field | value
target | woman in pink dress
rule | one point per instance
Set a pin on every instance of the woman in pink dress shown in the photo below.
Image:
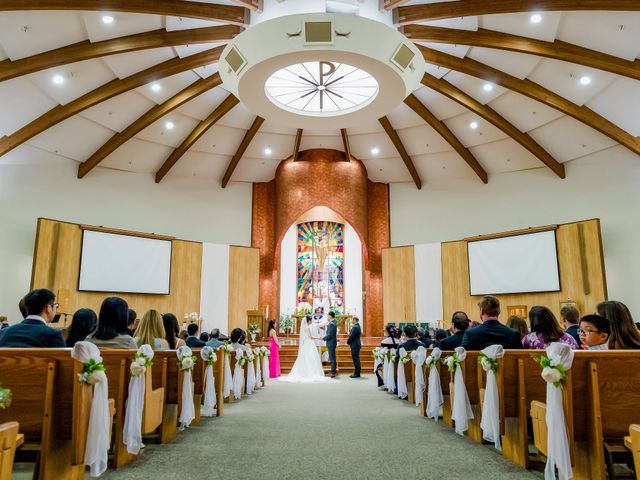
(274, 349)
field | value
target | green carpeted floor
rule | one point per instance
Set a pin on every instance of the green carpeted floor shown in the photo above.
(348, 430)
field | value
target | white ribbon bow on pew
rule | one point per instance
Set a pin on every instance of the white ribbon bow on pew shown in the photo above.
(418, 356)
(256, 352)
(238, 375)
(385, 365)
(251, 375)
(434, 393)
(490, 421)
(391, 375)
(265, 365)
(98, 434)
(188, 410)
(132, 434)
(209, 403)
(403, 391)
(558, 454)
(461, 411)
(228, 377)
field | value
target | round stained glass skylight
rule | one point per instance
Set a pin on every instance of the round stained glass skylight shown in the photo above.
(317, 88)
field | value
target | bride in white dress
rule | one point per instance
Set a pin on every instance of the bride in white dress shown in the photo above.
(308, 367)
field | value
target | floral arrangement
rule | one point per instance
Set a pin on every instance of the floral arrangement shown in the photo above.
(392, 355)
(286, 323)
(304, 308)
(406, 357)
(5, 398)
(88, 375)
(452, 362)
(552, 372)
(212, 358)
(265, 351)
(253, 328)
(251, 356)
(487, 363)
(227, 348)
(187, 362)
(430, 361)
(377, 354)
(240, 357)
(140, 364)
(384, 353)
(261, 351)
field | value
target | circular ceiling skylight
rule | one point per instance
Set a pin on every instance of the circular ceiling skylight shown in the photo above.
(320, 87)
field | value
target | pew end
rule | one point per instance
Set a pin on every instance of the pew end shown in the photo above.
(9, 440)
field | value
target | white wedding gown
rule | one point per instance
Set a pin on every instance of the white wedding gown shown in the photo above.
(307, 367)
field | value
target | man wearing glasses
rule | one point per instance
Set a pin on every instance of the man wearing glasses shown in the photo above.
(33, 331)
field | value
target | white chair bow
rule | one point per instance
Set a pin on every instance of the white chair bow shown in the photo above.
(188, 411)
(238, 375)
(461, 411)
(490, 421)
(391, 374)
(256, 352)
(377, 361)
(558, 454)
(209, 403)
(403, 391)
(434, 393)
(385, 364)
(251, 375)
(132, 434)
(228, 377)
(98, 434)
(418, 356)
(265, 367)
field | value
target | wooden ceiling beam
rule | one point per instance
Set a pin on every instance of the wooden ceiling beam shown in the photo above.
(345, 144)
(391, 4)
(86, 50)
(255, 5)
(496, 119)
(296, 145)
(417, 106)
(175, 8)
(105, 92)
(535, 91)
(202, 128)
(469, 8)
(255, 126)
(158, 111)
(557, 50)
(395, 139)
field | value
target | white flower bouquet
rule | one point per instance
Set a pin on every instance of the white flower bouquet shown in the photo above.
(227, 348)
(265, 351)
(487, 363)
(209, 355)
(187, 362)
(240, 358)
(89, 374)
(139, 364)
(552, 372)
(405, 357)
(452, 362)
(377, 355)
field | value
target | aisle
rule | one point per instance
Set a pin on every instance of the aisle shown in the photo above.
(338, 431)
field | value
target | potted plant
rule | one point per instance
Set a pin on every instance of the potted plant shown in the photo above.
(253, 330)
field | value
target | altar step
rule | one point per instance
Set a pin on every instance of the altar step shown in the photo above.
(344, 363)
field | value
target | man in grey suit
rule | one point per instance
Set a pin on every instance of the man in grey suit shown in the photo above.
(355, 344)
(332, 341)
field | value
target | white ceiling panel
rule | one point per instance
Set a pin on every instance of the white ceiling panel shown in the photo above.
(403, 117)
(422, 139)
(386, 170)
(620, 103)
(123, 24)
(436, 70)
(220, 140)
(21, 103)
(325, 141)
(188, 50)
(456, 50)
(563, 78)
(207, 70)
(520, 24)
(27, 154)
(513, 63)
(3, 55)
(238, 117)
(505, 156)
(270, 126)
(202, 106)
(169, 86)
(524, 112)
(441, 166)
(203, 165)
(119, 112)
(125, 64)
(76, 138)
(485, 132)
(474, 86)
(442, 107)
(361, 146)
(79, 78)
(26, 33)
(566, 139)
(462, 23)
(138, 156)
(158, 132)
(281, 146)
(180, 23)
(617, 33)
(371, 126)
(255, 170)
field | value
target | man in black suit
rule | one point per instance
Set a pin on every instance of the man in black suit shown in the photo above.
(412, 343)
(332, 342)
(460, 323)
(570, 318)
(33, 331)
(355, 344)
(491, 332)
(192, 340)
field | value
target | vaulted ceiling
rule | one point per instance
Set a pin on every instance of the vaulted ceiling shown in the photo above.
(504, 90)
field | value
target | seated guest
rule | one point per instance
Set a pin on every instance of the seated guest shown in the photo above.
(192, 340)
(33, 331)
(412, 342)
(22, 306)
(150, 331)
(570, 318)
(214, 339)
(83, 323)
(423, 337)
(131, 323)
(390, 342)
(238, 338)
(459, 324)
(204, 336)
(440, 335)
(172, 331)
(4, 322)
(183, 335)
(518, 323)
(624, 333)
(594, 332)
(491, 331)
(112, 325)
(545, 330)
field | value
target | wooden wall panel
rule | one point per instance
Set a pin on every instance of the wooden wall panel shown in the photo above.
(57, 267)
(398, 285)
(580, 267)
(244, 282)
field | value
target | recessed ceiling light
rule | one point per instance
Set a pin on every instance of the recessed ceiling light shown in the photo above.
(107, 19)
(487, 87)
(169, 125)
(585, 80)
(268, 151)
(156, 87)
(375, 151)
(535, 18)
(58, 79)
(473, 125)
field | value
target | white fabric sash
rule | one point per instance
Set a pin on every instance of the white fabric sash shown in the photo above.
(188, 411)
(228, 378)
(461, 411)
(209, 403)
(403, 391)
(377, 361)
(434, 393)
(558, 454)
(490, 421)
(391, 376)
(251, 377)
(256, 352)
(385, 365)
(418, 356)
(238, 376)
(98, 434)
(265, 368)
(132, 434)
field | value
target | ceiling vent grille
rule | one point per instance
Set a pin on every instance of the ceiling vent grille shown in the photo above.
(403, 57)
(235, 60)
(318, 33)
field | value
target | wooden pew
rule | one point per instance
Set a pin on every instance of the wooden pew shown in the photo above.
(167, 377)
(218, 377)
(447, 390)
(8, 443)
(633, 443)
(232, 363)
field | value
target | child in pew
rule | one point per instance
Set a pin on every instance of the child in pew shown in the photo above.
(594, 332)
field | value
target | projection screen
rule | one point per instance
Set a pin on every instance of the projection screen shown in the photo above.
(516, 264)
(125, 264)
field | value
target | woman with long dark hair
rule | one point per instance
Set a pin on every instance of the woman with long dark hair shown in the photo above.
(624, 333)
(545, 330)
(112, 325)
(274, 349)
(84, 322)
(172, 331)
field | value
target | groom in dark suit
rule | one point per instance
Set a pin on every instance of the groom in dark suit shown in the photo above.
(355, 344)
(332, 341)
